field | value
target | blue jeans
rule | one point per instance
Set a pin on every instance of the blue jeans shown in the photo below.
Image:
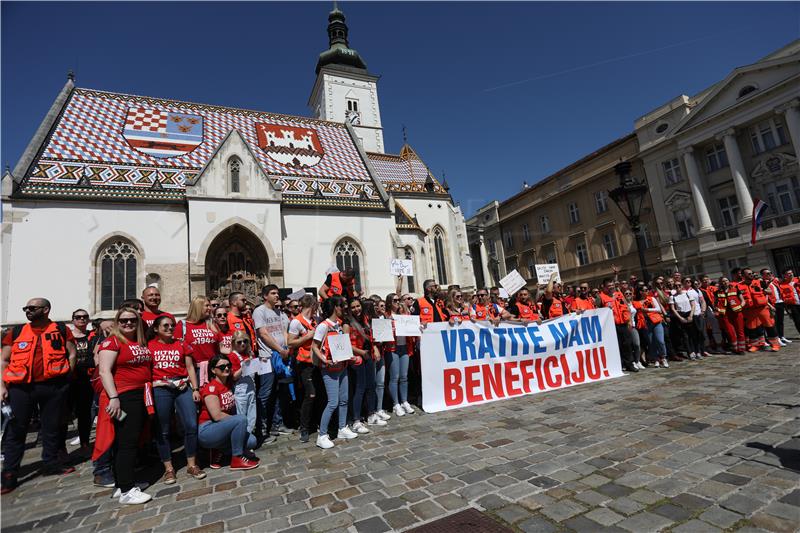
(263, 395)
(230, 433)
(380, 382)
(337, 388)
(168, 400)
(398, 374)
(658, 350)
(245, 394)
(365, 384)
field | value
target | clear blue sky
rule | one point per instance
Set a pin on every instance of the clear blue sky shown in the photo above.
(491, 93)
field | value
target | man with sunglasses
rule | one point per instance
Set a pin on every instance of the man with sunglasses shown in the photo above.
(430, 308)
(36, 361)
(583, 301)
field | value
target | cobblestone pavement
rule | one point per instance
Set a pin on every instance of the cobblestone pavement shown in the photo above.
(702, 446)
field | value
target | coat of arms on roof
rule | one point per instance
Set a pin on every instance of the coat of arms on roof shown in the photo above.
(290, 145)
(162, 133)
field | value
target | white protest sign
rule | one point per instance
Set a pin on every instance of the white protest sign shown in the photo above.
(473, 364)
(503, 293)
(250, 367)
(382, 330)
(512, 282)
(341, 349)
(406, 325)
(296, 295)
(262, 366)
(401, 267)
(544, 271)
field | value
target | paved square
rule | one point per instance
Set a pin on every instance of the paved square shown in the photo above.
(702, 446)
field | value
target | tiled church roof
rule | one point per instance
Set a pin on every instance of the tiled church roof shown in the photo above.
(405, 173)
(116, 145)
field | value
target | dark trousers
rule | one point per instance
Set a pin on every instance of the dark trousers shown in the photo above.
(794, 313)
(126, 437)
(265, 403)
(49, 396)
(82, 399)
(779, 309)
(625, 346)
(308, 381)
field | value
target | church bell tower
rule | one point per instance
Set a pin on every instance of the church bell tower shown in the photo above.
(344, 89)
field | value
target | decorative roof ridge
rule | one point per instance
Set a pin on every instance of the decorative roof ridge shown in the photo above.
(86, 90)
(378, 155)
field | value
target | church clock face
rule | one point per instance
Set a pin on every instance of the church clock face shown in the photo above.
(354, 117)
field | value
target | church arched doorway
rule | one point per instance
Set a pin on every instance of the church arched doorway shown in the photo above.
(236, 262)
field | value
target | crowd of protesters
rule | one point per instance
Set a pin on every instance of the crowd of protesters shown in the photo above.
(231, 378)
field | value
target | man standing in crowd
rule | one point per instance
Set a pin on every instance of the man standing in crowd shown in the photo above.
(494, 296)
(152, 300)
(771, 286)
(758, 315)
(622, 321)
(583, 301)
(429, 308)
(237, 321)
(790, 292)
(271, 327)
(339, 284)
(36, 361)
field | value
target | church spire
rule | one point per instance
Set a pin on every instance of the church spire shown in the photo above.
(339, 52)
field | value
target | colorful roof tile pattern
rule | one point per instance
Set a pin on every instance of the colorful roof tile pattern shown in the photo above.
(404, 173)
(110, 142)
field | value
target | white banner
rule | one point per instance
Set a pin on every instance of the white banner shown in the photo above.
(474, 363)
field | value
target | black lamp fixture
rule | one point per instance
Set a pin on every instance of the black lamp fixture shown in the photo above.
(629, 197)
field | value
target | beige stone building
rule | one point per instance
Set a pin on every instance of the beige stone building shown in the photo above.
(568, 218)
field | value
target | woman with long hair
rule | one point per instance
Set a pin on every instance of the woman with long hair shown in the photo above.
(334, 374)
(657, 349)
(221, 427)
(396, 357)
(454, 304)
(300, 337)
(638, 325)
(202, 334)
(125, 370)
(244, 390)
(359, 319)
(175, 390)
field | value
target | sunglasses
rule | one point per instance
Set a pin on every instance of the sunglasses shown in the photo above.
(483, 295)
(80, 317)
(457, 296)
(167, 326)
(128, 320)
(31, 308)
(223, 367)
(214, 305)
(242, 342)
(221, 315)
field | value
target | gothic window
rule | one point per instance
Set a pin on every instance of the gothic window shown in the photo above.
(410, 279)
(438, 248)
(118, 263)
(348, 255)
(233, 170)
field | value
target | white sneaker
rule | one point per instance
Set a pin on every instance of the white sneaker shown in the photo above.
(347, 433)
(407, 408)
(787, 341)
(383, 415)
(664, 363)
(134, 497)
(141, 485)
(656, 365)
(781, 343)
(375, 420)
(75, 441)
(324, 442)
(360, 428)
(399, 411)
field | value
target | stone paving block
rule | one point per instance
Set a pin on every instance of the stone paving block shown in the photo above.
(536, 525)
(625, 505)
(451, 501)
(645, 496)
(614, 490)
(306, 516)
(692, 502)
(783, 510)
(773, 523)
(427, 510)
(644, 522)
(793, 498)
(731, 479)
(595, 480)
(696, 526)
(603, 516)
(673, 512)
(513, 513)
(562, 510)
(332, 522)
(592, 497)
(372, 525)
(400, 518)
(492, 501)
(720, 517)
(741, 504)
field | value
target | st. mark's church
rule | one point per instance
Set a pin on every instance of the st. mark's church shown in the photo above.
(116, 192)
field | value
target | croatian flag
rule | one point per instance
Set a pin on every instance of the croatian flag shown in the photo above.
(759, 208)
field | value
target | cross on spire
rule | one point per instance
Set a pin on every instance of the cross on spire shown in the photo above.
(405, 135)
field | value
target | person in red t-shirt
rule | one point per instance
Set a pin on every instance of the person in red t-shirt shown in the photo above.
(38, 378)
(220, 426)
(225, 331)
(125, 369)
(174, 389)
(201, 333)
(152, 299)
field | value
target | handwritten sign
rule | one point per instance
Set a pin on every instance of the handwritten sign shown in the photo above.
(262, 366)
(382, 330)
(406, 325)
(512, 282)
(543, 272)
(250, 367)
(503, 293)
(341, 349)
(401, 267)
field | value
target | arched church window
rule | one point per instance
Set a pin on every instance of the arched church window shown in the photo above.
(118, 263)
(438, 249)
(233, 169)
(348, 255)
(410, 279)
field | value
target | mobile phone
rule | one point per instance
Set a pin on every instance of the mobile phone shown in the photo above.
(122, 415)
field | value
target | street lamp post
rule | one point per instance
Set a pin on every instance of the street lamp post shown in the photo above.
(629, 197)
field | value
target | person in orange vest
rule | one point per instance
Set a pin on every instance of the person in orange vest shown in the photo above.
(37, 359)
(758, 316)
(486, 310)
(430, 308)
(709, 291)
(790, 293)
(523, 308)
(300, 337)
(729, 304)
(583, 301)
(615, 301)
(552, 304)
(339, 284)
(773, 290)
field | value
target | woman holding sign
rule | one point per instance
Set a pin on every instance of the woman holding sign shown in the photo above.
(397, 359)
(363, 345)
(243, 372)
(330, 350)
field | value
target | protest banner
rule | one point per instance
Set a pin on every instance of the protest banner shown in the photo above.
(382, 330)
(406, 325)
(544, 271)
(512, 282)
(471, 364)
(401, 267)
(341, 348)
